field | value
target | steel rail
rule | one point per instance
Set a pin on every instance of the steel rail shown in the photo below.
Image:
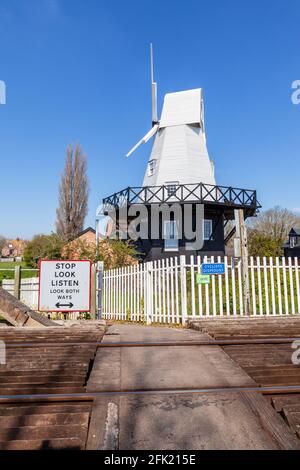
(90, 396)
(135, 344)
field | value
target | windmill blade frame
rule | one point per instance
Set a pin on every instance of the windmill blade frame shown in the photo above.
(145, 139)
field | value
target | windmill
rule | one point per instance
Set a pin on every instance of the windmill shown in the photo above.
(179, 154)
(180, 171)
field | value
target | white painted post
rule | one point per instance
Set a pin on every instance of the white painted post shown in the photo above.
(297, 284)
(93, 291)
(213, 288)
(206, 289)
(278, 286)
(177, 289)
(172, 290)
(259, 286)
(227, 286)
(120, 292)
(100, 291)
(168, 291)
(220, 290)
(149, 292)
(272, 287)
(131, 293)
(184, 314)
(159, 290)
(253, 286)
(265, 267)
(233, 289)
(285, 291)
(163, 267)
(291, 285)
(155, 294)
(240, 287)
(138, 293)
(193, 286)
(199, 287)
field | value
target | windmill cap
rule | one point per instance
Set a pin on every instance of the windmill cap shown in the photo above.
(182, 107)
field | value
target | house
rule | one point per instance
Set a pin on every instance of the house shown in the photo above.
(86, 238)
(292, 247)
(14, 248)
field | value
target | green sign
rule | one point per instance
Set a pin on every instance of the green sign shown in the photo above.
(203, 279)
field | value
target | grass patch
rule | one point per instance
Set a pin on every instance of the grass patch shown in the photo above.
(6, 273)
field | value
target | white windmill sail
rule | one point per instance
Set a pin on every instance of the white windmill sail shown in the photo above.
(179, 154)
(145, 139)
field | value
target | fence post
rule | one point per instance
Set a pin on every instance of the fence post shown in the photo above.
(17, 282)
(93, 292)
(100, 273)
(149, 292)
(241, 249)
(183, 289)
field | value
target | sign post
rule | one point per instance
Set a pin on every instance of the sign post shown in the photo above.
(241, 250)
(64, 286)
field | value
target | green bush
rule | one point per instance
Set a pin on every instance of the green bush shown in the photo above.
(42, 247)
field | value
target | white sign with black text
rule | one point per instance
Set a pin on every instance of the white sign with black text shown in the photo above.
(64, 286)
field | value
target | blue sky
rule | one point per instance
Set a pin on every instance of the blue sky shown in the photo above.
(78, 71)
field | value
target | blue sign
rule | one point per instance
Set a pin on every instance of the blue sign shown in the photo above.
(213, 268)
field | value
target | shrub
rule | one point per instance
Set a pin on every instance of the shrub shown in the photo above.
(42, 247)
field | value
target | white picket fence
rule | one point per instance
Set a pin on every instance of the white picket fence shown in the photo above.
(28, 290)
(166, 291)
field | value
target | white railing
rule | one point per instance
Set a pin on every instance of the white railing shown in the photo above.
(166, 291)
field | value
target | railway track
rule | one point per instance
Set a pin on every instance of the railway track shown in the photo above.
(43, 399)
(269, 365)
(49, 365)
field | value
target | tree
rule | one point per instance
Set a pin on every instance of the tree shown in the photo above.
(117, 253)
(42, 247)
(276, 222)
(114, 253)
(260, 244)
(73, 195)
(268, 232)
(2, 243)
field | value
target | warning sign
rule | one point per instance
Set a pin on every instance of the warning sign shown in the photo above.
(64, 286)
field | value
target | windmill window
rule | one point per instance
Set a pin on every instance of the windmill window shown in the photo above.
(171, 235)
(151, 167)
(172, 187)
(207, 229)
(293, 241)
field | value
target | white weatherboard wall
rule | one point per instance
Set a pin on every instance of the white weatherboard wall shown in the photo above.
(179, 148)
